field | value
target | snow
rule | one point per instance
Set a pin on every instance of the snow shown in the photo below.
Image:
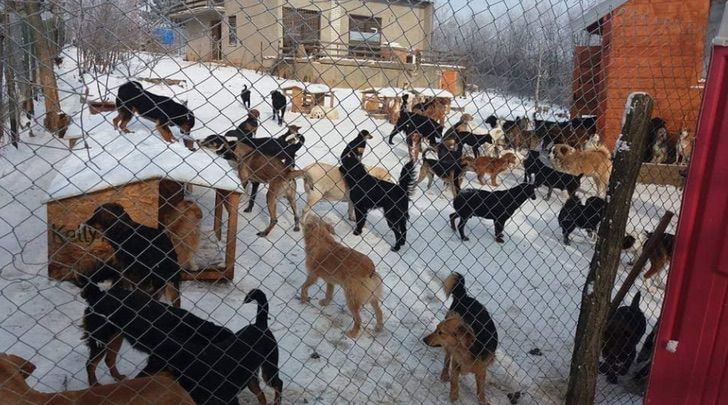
(531, 285)
(121, 159)
(430, 92)
(313, 88)
(385, 91)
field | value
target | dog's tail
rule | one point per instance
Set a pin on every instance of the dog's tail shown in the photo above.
(261, 319)
(454, 285)
(636, 301)
(371, 288)
(407, 177)
(294, 174)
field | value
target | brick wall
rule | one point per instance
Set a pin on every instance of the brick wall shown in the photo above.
(654, 46)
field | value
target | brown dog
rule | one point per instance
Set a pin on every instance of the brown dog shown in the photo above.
(159, 389)
(456, 337)
(340, 265)
(491, 166)
(182, 222)
(595, 163)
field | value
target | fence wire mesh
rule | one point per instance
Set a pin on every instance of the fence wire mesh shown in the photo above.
(131, 131)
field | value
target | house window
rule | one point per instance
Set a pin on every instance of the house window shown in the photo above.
(365, 36)
(233, 30)
(301, 27)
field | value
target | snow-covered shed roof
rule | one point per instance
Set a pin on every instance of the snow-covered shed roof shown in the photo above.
(595, 13)
(430, 92)
(385, 91)
(118, 160)
(313, 88)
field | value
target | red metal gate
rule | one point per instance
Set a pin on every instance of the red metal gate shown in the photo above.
(691, 355)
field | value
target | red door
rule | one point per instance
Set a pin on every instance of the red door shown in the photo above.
(691, 355)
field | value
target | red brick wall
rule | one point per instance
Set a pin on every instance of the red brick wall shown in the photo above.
(655, 46)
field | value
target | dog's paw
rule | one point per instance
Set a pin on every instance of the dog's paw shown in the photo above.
(296, 228)
(357, 232)
(262, 234)
(247, 210)
(444, 376)
(454, 396)
(352, 334)
(499, 239)
(324, 302)
(395, 248)
(465, 239)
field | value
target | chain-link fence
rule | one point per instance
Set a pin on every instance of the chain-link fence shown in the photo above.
(132, 131)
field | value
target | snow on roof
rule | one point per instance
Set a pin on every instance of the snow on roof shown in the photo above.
(385, 91)
(595, 13)
(313, 88)
(430, 92)
(117, 160)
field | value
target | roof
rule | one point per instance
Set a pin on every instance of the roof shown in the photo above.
(118, 160)
(595, 13)
(385, 91)
(313, 88)
(430, 92)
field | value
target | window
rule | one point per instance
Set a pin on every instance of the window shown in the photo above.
(301, 27)
(365, 36)
(233, 30)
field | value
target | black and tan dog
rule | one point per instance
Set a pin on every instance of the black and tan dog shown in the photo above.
(357, 146)
(163, 111)
(145, 255)
(450, 167)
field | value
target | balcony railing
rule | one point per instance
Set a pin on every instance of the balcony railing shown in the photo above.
(340, 50)
(191, 6)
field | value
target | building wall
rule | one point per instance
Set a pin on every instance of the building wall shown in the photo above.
(259, 25)
(655, 46)
(199, 42)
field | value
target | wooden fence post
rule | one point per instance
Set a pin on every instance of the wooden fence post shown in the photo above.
(597, 292)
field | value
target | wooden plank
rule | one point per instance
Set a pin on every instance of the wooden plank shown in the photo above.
(217, 224)
(209, 274)
(232, 200)
(661, 174)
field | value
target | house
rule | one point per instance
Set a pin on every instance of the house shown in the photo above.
(655, 46)
(142, 173)
(352, 43)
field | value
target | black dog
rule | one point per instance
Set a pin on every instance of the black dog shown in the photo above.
(496, 205)
(145, 255)
(410, 122)
(645, 356)
(546, 176)
(279, 106)
(367, 193)
(245, 96)
(586, 216)
(474, 314)
(448, 166)
(622, 333)
(165, 112)
(214, 372)
(474, 141)
(285, 147)
(357, 146)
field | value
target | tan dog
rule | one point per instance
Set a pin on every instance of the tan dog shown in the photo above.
(594, 163)
(159, 389)
(491, 166)
(456, 337)
(341, 265)
(323, 181)
(684, 147)
(182, 222)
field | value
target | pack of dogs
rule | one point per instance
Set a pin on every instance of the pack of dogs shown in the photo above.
(194, 360)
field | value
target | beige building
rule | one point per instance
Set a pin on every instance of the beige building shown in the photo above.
(371, 42)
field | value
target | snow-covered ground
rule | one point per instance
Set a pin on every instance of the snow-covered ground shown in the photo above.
(531, 284)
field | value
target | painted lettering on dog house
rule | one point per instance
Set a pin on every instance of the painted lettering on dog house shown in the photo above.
(654, 46)
(143, 176)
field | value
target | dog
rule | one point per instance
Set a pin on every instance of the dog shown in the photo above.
(622, 333)
(474, 314)
(496, 205)
(341, 265)
(323, 181)
(546, 176)
(245, 96)
(684, 147)
(451, 171)
(586, 216)
(357, 146)
(660, 256)
(645, 356)
(368, 193)
(594, 163)
(660, 147)
(283, 147)
(657, 126)
(485, 165)
(159, 389)
(131, 98)
(456, 337)
(212, 372)
(279, 101)
(182, 222)
(222, 146)
(146, 255)
(246, 129)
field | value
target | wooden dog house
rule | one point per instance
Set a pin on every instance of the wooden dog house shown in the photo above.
(142, 177)
(383, 102)
(306, 96)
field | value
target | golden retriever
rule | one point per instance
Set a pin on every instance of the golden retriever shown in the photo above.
(595, 163)
(455, 336)
(182, 222)
(491, 166)
(340, 265)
